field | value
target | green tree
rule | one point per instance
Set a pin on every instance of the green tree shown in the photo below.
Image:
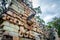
(55, 23)
(39, 19)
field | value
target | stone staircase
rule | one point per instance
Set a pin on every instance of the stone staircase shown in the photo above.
(1, 33)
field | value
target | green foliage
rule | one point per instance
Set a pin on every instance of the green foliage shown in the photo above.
(39, 19)
(55, 23)
(38, 9)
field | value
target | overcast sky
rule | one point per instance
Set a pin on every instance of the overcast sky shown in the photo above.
(49, 8)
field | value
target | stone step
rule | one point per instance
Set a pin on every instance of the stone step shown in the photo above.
(0, 38)
(1, 29)
(1, 32)
(0, 35)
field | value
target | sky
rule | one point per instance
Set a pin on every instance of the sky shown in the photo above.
(49, 8)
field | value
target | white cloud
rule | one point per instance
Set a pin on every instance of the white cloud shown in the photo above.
(49, 17)
(35, 3)
(53, 5)
(46, 9)
(49, 7)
